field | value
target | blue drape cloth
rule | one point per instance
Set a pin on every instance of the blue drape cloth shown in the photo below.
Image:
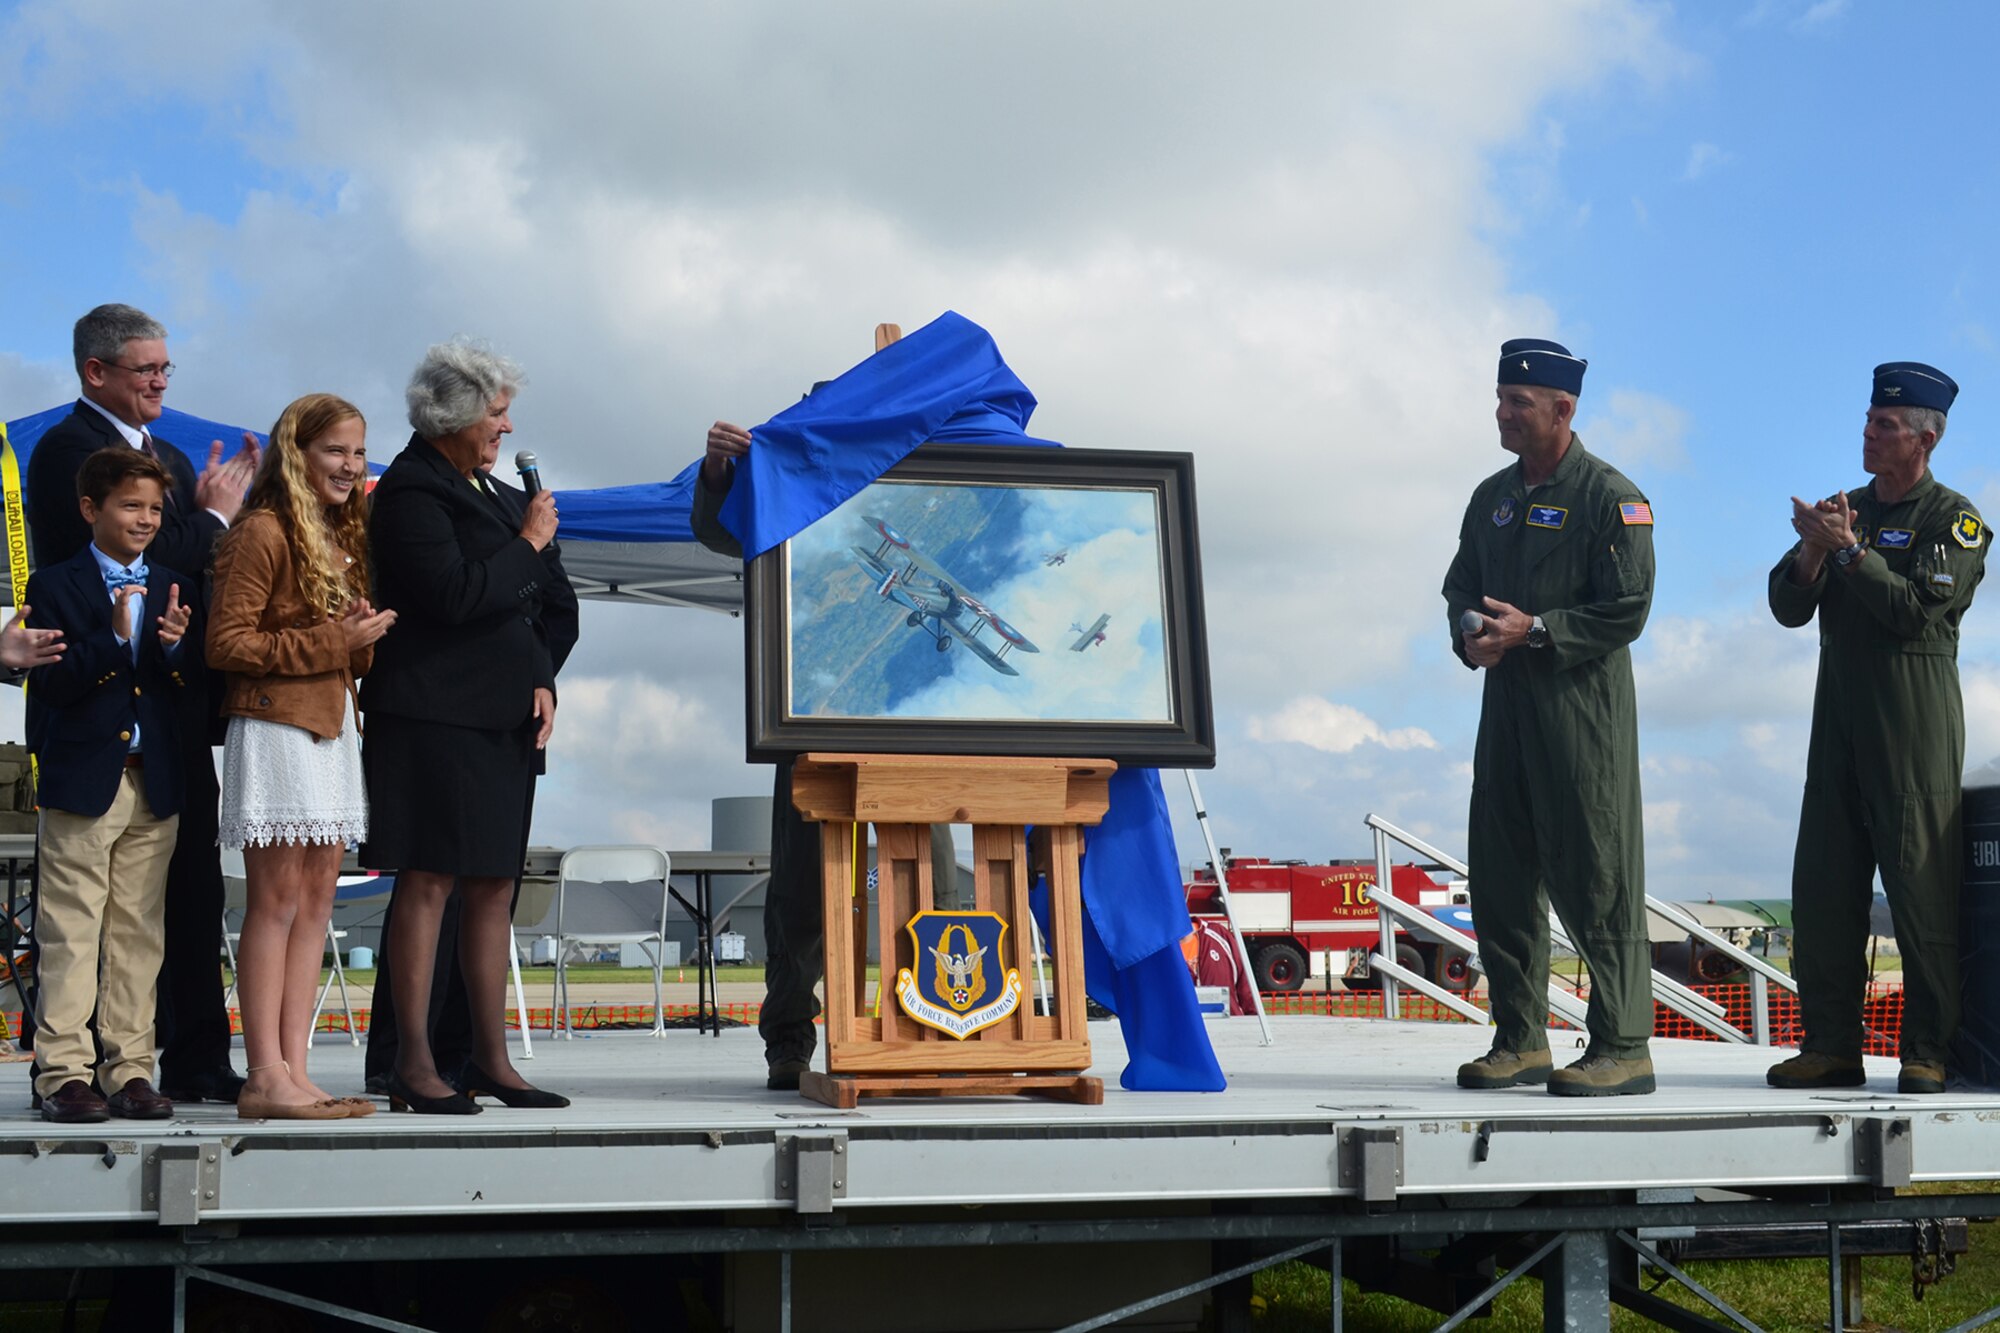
(944, 382)
(947, 382)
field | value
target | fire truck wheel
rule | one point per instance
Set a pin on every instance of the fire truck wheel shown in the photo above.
(1279, 967)
(1453, 970)
(1712, 967)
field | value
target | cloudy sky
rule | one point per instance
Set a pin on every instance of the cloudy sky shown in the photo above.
(1287, 238)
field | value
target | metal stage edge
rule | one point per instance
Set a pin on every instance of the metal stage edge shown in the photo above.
(1342, 1128)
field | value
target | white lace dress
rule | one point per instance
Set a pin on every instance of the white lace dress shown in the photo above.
(282, 784)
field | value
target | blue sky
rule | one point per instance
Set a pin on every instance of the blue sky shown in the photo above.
(1286, 239)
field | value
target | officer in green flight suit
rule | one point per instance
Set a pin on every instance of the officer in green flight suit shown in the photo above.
(1552, 583)
(1890, 569)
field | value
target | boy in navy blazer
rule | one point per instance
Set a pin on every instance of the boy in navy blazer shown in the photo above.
(105, 725)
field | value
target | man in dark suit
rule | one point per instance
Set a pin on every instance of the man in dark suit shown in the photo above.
(122, 369)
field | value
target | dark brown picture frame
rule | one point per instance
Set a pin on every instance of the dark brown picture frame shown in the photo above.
(1184, 738)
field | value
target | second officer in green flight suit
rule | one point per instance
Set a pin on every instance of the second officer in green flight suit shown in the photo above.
(1890, 570)
(1555, 567)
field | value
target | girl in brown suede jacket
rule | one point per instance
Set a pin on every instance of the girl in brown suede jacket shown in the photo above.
(291, 625)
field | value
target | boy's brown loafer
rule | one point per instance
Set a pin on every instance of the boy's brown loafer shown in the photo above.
(74, 1104)
(139, 1100)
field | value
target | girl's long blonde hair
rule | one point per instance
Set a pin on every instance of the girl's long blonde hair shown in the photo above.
(312, 531)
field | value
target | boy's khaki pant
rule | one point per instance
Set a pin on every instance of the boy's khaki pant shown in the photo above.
(103, 887)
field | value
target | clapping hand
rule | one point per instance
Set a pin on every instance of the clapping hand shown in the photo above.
(363, 624)
(222, 486)
(174, 623)
(21, 647)
(1825, 527)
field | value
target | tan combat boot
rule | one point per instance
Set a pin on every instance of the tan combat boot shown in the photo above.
(1506, 1069)
(1921, 1076)
(1604, 1076)
(1811, 1069)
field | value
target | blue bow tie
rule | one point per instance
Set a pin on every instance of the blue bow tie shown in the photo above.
(124, 578)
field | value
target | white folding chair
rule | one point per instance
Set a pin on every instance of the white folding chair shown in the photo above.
(629, 864)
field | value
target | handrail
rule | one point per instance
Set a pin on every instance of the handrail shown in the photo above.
(1681, 917)
(1695, 1007)
(1561, 1000)
(1416, 844)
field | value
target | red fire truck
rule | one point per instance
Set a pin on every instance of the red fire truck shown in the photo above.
(1292, 913)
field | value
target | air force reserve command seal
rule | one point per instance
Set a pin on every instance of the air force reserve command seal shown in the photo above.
(960, 982)
(1503, 513)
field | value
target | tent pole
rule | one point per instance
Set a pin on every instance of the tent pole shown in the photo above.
(1222, 892)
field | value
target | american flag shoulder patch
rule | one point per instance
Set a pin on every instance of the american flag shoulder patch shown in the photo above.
(1636, 513)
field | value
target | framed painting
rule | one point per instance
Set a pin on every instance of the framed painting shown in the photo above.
(990, 600)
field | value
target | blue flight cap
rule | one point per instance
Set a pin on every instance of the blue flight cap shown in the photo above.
(1540, 362)
(1913, 384)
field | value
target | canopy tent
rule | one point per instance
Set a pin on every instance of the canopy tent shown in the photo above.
(620, 543)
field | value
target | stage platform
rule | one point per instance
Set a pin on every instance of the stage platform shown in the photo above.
(682, 1123)
(1340, 1129)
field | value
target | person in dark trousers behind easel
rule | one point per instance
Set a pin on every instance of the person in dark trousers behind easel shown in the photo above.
(794, 932)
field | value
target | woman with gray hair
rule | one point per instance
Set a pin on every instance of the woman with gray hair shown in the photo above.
(459, 709)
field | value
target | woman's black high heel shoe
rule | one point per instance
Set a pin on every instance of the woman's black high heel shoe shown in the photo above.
(478, 1083)
(402, 1099)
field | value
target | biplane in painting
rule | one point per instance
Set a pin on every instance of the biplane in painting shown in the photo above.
(1091, 637)
(937, 602)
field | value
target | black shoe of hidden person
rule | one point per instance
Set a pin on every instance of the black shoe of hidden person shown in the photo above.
(221, 1084)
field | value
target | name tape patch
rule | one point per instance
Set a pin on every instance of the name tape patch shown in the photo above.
(1547, 516)
(1894, 539)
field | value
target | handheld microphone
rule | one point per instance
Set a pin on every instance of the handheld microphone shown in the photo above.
(530, 470)
(1471, 622)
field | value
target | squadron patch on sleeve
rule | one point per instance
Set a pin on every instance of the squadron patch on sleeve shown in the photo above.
(1546, 516)
(1635, 513)
(1967, 530)
(1893, 539)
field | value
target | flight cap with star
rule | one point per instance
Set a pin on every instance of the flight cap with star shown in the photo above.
(1538, 361)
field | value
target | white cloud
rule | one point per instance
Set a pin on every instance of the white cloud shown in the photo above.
(1703, 158)
(1335, 728)
(1639, 432)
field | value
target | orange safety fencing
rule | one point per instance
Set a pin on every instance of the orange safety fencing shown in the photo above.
(1881, 1011)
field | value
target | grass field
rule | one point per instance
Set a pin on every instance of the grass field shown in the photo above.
(1785, 1296)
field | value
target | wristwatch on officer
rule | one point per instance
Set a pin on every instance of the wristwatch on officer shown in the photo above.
(1847, 555)
(1538, 634)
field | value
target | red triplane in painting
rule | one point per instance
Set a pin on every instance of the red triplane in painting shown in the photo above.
(1293, 914)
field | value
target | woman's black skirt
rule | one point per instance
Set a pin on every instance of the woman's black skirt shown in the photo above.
(454, 800)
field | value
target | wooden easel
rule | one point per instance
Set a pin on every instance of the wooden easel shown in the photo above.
(1025, 1053)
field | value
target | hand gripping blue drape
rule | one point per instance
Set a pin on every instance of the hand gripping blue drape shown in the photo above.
(947, 382)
